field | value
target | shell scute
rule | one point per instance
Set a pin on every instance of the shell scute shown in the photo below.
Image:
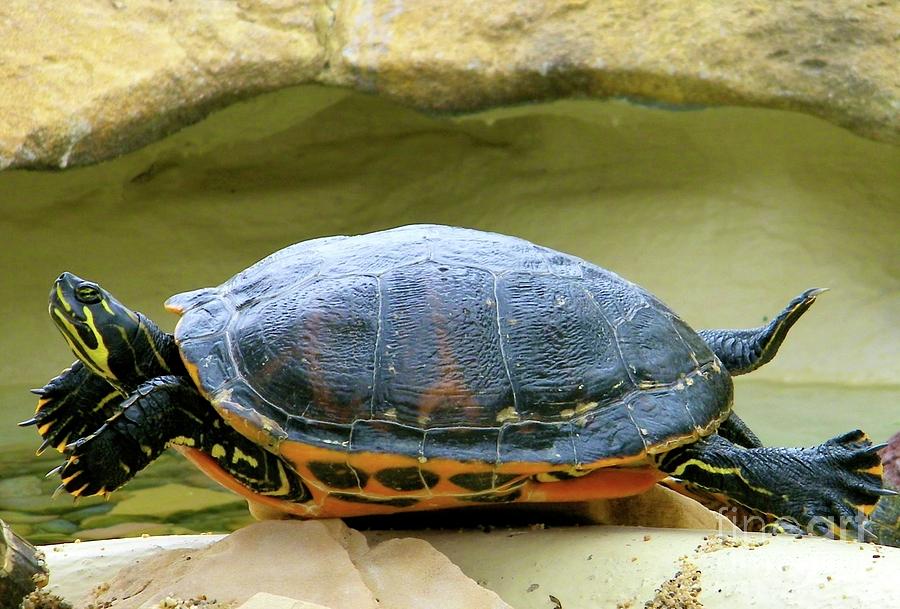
(277, 272)
(606, 434)
(558, 350)
(439, 356)
(204, 320)
(311, 352)
(467, 444)
(212, 363)
(366, 435)
(323, 434)
(518, 440)
(471, 249)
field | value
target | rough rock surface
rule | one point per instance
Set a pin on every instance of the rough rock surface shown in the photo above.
(83, 82)
(272, 601)
(583, 567)
(322, 562)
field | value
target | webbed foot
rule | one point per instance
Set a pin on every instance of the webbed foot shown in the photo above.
(72, 405)
(847, 487)
(125, 444)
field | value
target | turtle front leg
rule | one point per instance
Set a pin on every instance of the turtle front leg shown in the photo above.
(73, 405)
(825, 489)
(169, 410)
(157, 413)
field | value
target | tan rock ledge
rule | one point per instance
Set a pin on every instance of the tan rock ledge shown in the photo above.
(81, 82)
(593, 567)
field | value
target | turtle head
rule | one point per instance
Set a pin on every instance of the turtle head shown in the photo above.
(108, 337)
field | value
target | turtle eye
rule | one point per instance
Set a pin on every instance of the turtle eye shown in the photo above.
(88, 293)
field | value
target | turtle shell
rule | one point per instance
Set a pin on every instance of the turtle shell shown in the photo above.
(432, 342)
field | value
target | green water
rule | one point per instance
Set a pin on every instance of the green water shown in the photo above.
(171, 496)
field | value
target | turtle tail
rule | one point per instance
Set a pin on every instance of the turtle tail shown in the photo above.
(743, 351)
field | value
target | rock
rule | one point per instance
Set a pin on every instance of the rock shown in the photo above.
(80, 83)
(272, 601)
(321, 562)
(78, 568)
(81, 79)
(22, 568)
(317, 568)
(587, 567)
(410, 573)
(597, 567)
(658, 507)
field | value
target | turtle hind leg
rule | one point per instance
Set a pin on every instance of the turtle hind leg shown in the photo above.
(743, 351)
(160, 410)
(827, 489)
(73, 405)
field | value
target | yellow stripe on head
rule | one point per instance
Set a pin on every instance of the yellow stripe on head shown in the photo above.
(62, 300)
(97, 359)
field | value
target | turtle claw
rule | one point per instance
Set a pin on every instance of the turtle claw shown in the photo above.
(59, 491)
(813, 292)
(54, 471)
(73, 446)
(95, 462)
(44, 445)
(72, 405)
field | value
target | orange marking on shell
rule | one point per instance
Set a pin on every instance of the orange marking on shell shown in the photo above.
(450, 390)
(311, 351)
(606, 483)
(601, 484)
(610, 480)
(194, 374)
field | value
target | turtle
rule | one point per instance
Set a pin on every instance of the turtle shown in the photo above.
(427, 367)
